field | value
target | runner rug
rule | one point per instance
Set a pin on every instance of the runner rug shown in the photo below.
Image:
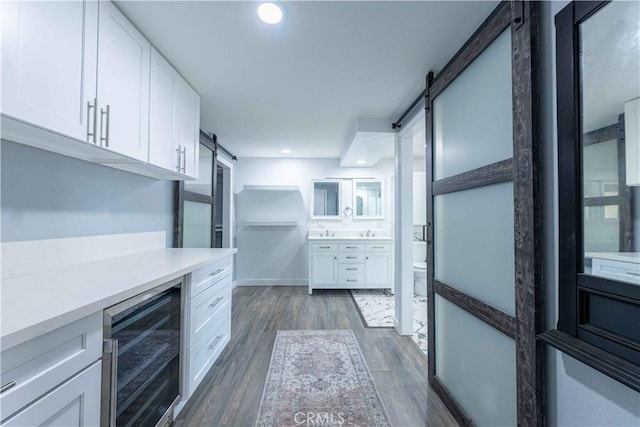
(319, 378)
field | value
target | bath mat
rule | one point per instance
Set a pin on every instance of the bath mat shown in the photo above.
(319, 378)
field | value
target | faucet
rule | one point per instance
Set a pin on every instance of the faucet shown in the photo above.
(327, 234)
(368, 233)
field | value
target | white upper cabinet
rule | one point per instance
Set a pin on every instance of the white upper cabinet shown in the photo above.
(79, 79)
(123, 85)
(174, 120)
(162, 118)
(49, 52)
(188, 129)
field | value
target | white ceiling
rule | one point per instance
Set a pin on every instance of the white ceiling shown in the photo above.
(302, 83)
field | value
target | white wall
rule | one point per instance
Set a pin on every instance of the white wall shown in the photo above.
(280, 254)
(577, 395)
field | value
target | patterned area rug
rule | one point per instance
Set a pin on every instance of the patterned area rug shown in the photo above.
(377, 308)
(319, 378)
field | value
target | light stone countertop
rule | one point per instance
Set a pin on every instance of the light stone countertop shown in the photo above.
(315, 236)
(34, 304)
(633, 257)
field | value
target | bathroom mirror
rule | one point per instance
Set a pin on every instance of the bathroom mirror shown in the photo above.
(326, 198)
(368, 199)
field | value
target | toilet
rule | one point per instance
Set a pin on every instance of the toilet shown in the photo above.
(420, 268)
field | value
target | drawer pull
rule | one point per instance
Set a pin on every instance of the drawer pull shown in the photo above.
(351, 280)
(378, 247)
(215, 273)
(352, 247)
(324, 247)
(633, 274)
(213, 304)
(352, 257)
(352, 269)
(7, 386)
(213, 344)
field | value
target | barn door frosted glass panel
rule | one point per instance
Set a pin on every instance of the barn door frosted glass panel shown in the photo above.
(477, 363)
(474, 249)
(197, 225)
(472, 123)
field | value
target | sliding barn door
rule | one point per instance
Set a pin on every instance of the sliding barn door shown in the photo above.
(483, 284)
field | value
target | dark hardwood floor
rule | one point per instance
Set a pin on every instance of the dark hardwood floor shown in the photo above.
(230, 394)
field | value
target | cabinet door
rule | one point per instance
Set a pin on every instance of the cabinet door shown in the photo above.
(378, 269)
(188, 128)
(162, 113)
(74, 403)
(123, 84)
(325, 269)
(49, 64)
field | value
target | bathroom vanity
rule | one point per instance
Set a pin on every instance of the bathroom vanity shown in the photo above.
(350, 262)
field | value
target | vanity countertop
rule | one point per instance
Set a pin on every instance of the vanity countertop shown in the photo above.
(34, 304)
(633, 257)
(316, 236)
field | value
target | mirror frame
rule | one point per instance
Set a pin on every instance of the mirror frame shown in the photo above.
(382, 197)
(313, 200)
(610, 351)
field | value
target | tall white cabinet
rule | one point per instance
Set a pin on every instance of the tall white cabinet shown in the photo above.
(49, 59)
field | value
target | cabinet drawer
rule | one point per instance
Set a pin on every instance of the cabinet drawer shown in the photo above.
(351, 247)
(617, 270)
(378, 247)
(207, 306)
(351, 274)
(325, 247)
(74, 403)
(209, 275)
(204, 353)
(351, 258)
(43, 363)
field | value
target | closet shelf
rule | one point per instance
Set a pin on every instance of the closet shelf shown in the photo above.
(272, 187)
(270, 223)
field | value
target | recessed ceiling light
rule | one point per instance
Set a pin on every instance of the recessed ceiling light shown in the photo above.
(286, 151)
(270, 13)
(361, 162)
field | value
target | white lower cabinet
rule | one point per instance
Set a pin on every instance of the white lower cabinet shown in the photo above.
(351, 264)
(74, 403)
(207, 321)
(54, 377)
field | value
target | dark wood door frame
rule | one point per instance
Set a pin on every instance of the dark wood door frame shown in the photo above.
(524, 170)
(181, 195)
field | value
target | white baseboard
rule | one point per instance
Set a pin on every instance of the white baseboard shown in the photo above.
(272, 282)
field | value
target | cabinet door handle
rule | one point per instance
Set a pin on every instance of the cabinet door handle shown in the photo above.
(92, 135)
(213, 304)
(7, 386)
(351, 280)
(352, 257)
(215, 273)
(184, 160)
(179, 151)
(105, 126)
(213, 344)
(325, 247)
(352, 269)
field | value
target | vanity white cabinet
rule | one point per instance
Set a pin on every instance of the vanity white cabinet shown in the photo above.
(207, 320)
(49, 52)
(123, 85)
(54, 379)
(174, 119)
(350, 264)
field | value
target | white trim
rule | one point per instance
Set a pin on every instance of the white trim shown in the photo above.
(272, 282)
